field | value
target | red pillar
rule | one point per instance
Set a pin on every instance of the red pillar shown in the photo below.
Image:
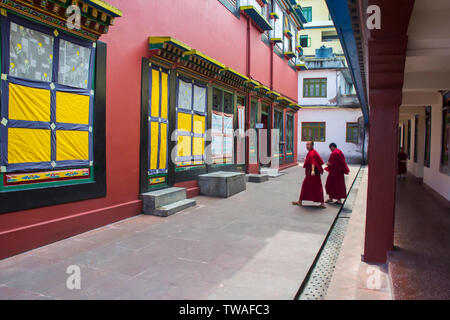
(386, 55)
(384, 113)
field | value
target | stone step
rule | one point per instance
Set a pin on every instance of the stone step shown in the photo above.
(169, 209)
(160, 198)
(252, 177)
(272, 173)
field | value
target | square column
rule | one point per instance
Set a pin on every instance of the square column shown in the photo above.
(384, 115)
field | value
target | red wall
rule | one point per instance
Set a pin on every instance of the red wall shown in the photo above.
(284, 78)
(204, 25)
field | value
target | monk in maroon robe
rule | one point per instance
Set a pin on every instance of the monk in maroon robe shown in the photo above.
(337, 168)
(312, 189)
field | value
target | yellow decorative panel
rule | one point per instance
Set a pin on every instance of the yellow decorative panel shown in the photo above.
(184, 122)
(184, 146)
(164, 96)
(72, 108)
(154, 108)
(27, 103)
(28, 145)
(199, 124)
(163, 148)
(72, 145)
(154, 132)
(198, 145)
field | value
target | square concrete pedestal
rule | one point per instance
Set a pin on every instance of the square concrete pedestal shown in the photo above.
(221, 184)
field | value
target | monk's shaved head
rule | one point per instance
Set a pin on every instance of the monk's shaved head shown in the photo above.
(309, 145)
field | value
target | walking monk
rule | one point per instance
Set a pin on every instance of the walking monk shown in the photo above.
(337, 167)
(312, 185)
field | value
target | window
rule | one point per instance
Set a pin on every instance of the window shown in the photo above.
(48, 111)
(289, 134)
(408, 142)
(278, 124)
(222, 126)
(277, 24)
(240, 142)
(445, 135)
(47, 125)
(352, 134)
(313, 131)
(307, 12)
(329, 36)
(315, 88)
(288, 47)
(191, 122)
(158, 120)
(416, 136)
(305, 41)
(231, 5)
(427, 155)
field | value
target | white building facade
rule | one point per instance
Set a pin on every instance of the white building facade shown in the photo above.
(330, 108)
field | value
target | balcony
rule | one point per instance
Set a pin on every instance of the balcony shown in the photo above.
(252, 9)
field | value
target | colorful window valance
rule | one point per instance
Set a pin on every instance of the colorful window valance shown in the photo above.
(96, 16)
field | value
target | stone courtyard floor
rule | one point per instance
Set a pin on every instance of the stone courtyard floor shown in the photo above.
(254, 245)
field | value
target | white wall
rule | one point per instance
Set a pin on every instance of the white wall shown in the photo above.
(432, 176)
(335, 131)
(331, 76)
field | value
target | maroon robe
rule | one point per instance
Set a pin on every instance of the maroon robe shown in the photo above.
(312, 189)
(337, 167)
(402, 156)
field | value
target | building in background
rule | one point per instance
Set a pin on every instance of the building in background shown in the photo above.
(330, 107)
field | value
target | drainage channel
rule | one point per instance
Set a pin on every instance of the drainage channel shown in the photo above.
(315, 285)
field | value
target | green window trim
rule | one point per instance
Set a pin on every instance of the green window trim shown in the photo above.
(313, 131)
(352, 132)
(315, 88)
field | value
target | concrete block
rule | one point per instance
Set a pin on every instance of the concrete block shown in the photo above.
(221, 184)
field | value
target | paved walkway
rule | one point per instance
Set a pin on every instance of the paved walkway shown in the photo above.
(352, 277)
(254, 245)
(420, 264)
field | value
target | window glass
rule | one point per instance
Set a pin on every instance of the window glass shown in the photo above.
(290, 133)
(313, 131)
(313, 88)
(74, 63)
(31, 54)
(199, 99)
(446, 136)
(307, 12)
(228, 103)
(427, 137)
(184, 95)
(217, 100)
(352, 132)
(222, 126)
